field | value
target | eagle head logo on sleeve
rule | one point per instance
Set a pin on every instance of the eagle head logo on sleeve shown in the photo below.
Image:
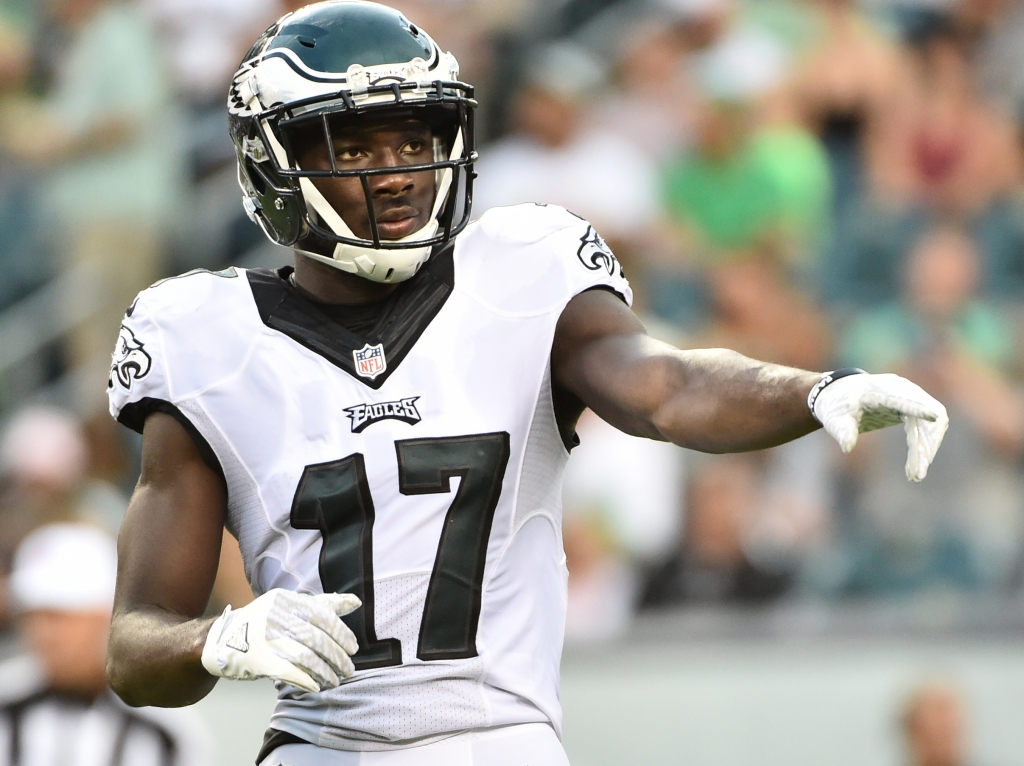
(130, 361)
(595, 254)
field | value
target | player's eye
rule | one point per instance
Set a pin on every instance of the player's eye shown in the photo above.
(414, 147)
(349, 153)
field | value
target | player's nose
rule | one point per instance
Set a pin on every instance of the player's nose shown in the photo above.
(392, 184)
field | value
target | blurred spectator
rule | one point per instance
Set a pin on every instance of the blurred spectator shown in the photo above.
(44, 464)
(935, 726)
(622, 502)
(22, 255)
(943, 150)
(205, 41)
(947, 147)
(793, 528)
(43, 457)
(846, 86)
(635, 485)
(746, 185)
(911, 138)
(846, 83)
(555, 156)
(757, 312)
(17, 24)
(653, 102)
(963, 527)
(48, 474)
(107, 135)
(712, 564)
(56, 707)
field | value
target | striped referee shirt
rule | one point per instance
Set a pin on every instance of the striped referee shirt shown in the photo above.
(40, 727)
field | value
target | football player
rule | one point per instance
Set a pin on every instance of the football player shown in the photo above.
(384, 425)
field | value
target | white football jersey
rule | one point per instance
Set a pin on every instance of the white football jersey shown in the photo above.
(419, 467)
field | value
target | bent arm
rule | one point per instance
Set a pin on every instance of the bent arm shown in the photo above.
(168, 551)
(712, 400)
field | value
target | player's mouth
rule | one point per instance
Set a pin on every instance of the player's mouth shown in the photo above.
(398, 222)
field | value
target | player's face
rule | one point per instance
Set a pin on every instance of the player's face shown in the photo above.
(402, 201)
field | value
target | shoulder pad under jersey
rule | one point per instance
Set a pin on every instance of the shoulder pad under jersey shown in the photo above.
(180, 336)
(531, 259)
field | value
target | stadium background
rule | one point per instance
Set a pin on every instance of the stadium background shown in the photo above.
(812, 182)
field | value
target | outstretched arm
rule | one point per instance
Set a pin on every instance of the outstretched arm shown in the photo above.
(720, 401)
(712, 400)
(168, 551)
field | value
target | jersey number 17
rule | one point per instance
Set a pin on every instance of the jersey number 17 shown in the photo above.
(335, 498)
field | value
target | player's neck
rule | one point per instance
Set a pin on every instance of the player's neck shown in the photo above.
(326, 284)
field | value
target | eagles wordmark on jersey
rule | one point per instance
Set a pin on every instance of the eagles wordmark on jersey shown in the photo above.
(429, 488)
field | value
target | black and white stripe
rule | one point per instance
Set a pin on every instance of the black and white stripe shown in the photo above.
(41, 727)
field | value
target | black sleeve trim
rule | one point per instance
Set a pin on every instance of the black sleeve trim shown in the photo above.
(134, 414)
(606, 288)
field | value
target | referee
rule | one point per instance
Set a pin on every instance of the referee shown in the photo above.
(55, 706)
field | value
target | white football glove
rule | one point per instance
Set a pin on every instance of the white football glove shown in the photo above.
(288, 636)
(859, 403)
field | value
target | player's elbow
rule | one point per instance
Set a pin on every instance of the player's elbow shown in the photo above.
(146, 666)
(123, 669)
(119, 677)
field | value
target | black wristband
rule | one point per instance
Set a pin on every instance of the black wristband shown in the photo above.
(828, 378)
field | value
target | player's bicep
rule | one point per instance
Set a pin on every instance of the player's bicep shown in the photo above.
(603, 355)
(169, 543)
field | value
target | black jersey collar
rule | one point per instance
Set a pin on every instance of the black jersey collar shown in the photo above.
(415, 304)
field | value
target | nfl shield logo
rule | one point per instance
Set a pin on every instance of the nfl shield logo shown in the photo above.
(370, 361)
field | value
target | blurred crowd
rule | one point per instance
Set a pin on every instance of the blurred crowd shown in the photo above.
(821, 184)
(818, 183)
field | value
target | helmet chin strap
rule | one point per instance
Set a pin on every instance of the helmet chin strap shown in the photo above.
(378, 265)
(364, 261)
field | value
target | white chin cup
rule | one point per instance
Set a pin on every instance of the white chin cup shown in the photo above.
(376, 265)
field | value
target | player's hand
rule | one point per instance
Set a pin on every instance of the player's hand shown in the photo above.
(287, 636)
(858, 403)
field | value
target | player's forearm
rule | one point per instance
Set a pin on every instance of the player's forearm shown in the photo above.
(155, 658)
(711, 400)
(721, 401)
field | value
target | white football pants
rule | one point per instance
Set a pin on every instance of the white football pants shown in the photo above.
(531, 744)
